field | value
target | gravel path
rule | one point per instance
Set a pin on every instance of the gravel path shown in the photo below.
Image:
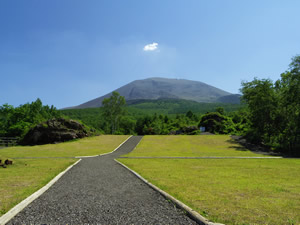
(100, 191)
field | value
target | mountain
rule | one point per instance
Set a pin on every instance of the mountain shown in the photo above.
(163, 88)
(232, 99)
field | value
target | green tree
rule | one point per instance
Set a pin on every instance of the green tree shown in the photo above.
(262, 102)
(216, 123)
(274, 110)
(191, 116)
(15, 122)
(113, 110)
(289, 91)
(220, 110)
(127, 125)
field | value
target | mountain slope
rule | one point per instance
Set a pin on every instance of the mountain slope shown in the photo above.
(162, 88)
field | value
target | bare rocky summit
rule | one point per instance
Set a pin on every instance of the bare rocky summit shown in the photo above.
(163, 88)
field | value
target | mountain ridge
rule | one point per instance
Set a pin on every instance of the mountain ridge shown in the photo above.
(165, 88)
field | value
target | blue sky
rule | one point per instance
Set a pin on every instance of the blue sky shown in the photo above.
(67, 52)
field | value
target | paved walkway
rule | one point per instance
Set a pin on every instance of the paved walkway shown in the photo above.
(100, 191)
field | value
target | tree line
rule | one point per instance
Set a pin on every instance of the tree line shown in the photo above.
(16, 121)
(274, 110)
(118, 121)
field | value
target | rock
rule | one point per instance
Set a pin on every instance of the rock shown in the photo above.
(172, 132)
(8, 162)
(55, 131)
(2, 164)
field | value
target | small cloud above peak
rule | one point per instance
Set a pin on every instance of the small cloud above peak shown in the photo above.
(151, 47)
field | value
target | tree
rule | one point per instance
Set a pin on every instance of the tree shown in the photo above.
(113, 110)
(262, 102)
(274, 110)
(127, 125)
(15, 122)
(289, 90)
(191, 116)
(220, 110)
(214, 122)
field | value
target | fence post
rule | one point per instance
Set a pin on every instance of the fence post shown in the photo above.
(8, 141)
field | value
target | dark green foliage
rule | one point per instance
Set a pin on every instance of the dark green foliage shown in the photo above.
(127, 125)
(90, 116)
(220, 110)
(15, 122)
(288, 89)
(241, 121)
(217, 123)
(191, 116)
(260, 95)
(274, 110)
(113, 110)
(176, 106)
(150, 116)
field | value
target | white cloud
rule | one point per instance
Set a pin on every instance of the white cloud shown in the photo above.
(151, 47)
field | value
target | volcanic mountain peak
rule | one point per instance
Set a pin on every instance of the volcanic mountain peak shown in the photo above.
(158, 88)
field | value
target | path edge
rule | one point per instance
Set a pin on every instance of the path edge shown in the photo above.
(19, 207)
(91, 156)
(191, 213)
(201, 157)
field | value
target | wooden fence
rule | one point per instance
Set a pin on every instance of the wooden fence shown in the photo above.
(8, 141)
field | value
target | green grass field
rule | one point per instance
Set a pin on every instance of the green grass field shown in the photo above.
(25, 176)
(83, 147)
(190, 146)
(230, 191)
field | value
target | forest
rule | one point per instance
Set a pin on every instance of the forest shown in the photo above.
(268, 115)
(16, 121)
(274, 110)
(152, 116)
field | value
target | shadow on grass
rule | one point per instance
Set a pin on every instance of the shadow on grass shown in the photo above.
(236, 147)
(246, 146)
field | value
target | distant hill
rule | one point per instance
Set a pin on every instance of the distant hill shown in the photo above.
(163, 88)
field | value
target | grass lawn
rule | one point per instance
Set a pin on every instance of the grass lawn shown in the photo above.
(190, 146)
(26, 176)
(83, 147)
(230, 191)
